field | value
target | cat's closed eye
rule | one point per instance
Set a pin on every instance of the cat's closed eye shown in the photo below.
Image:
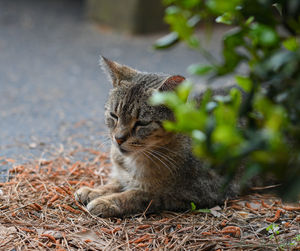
(113, 115)
(111, 120)
(140, 123)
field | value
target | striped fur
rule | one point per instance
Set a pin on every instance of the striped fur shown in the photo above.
(152, 168)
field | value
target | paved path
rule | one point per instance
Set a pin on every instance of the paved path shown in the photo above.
(52, 91)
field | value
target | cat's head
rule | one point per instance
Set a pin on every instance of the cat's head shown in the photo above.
(134, 124)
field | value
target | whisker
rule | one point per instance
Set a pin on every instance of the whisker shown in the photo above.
(169, 150)
(157, 146)
(104, 143)
(137, 153)
(159, 153)
(149, 157)
(164, 164)
(166, 157)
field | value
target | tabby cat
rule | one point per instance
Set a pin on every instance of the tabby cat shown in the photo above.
(152, 169)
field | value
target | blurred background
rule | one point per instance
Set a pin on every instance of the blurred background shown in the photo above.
(52, 90)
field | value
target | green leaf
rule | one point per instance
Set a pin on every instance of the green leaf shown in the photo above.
(274, 62)
(233, 38)
(190, 3)
(198, 135)
(157, 98)
(203, 210)
(165, 98)
(264, 35)
(273, 228)
(193, 209)
(221, 6)
(222, 98)
(226, 18)
(210, 106)
(278, 8)
(270, 227)
(236, 99)
(291, 44)
(194, 20)
(227, 135)
(183, 90)
(193, 41)
(171, 10)
(199, 69)
(193, 206)
(205, 99)
(178, 21)
(167, 41)
(276, 118)
(170, 126)
(249, 20)
(244, 82)
(189, 118)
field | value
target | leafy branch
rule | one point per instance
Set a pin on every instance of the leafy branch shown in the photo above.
(258, 121)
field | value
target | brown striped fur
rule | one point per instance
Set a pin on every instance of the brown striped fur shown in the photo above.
(152, 168)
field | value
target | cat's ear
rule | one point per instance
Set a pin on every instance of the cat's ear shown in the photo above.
(117, 72)
(171, 83)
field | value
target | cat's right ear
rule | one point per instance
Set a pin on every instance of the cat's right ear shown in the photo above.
(171, 83)
(117, 72)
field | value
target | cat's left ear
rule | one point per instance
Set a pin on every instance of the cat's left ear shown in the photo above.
(171, 83)
(117, 72)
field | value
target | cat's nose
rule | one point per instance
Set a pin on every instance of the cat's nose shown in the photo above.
(120, 139)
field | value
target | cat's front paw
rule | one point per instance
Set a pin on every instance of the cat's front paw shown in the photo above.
(103, 207)
(86, 194)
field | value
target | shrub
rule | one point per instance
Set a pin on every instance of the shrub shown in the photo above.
(261, 128)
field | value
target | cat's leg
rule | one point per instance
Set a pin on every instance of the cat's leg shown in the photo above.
(86, 194)
(124, 203)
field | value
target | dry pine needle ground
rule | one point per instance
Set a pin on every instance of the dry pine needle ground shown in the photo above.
(38, 212)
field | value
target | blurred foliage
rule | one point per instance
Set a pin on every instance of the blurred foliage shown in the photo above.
(261, 128)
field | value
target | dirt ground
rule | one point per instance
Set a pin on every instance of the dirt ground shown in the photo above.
(38, 212)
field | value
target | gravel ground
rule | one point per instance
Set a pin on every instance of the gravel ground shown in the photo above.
(52, 91)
